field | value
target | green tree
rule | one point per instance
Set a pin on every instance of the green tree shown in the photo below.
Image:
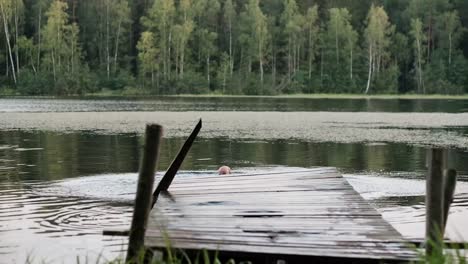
(54, 36)
(62, 52)
(427, 11)
(229, 17)
(378, 34)
(339, 42)
(160, 21)
(293, 23)
(182, 33)
(147, 56)
(7, 9)
(254, 36)
(208, 48)
(118, 27)
(418, 40)
(449, 31)
(312, 29)
(39, 8)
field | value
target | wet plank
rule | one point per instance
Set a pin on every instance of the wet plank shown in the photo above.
(306, 213)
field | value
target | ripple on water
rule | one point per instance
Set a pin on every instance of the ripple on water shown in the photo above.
(401, 203)
(43, 216)
(34, 221)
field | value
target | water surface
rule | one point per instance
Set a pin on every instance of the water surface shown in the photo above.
(65, 176)
(233, 104)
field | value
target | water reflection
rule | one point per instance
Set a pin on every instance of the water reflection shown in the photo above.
(44, 209)
(53, 156)
(232, 104)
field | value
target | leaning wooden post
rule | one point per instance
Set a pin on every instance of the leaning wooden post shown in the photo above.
(450, 180)
(144, 191)
(434, 200)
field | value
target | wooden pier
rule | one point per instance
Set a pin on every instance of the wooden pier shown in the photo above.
(298, 215)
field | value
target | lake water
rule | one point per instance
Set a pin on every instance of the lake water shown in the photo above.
(68, 167)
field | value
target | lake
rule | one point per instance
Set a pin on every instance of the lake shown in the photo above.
(68, 167)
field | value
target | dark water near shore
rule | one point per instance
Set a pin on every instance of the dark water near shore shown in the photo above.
(234, 104)
(59, 190)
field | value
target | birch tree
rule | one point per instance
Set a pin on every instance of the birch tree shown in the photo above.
(254, 36)
(292, 22)
(54, 40)
(62, 52)
(147, 55)
(229, 16)
(6, 10)
(182, 33)
(419, 38)
(338, 48)
(312, 30)
(378, 35)
(449, 31)
(160, 21)
(40, 6)
(117, 23)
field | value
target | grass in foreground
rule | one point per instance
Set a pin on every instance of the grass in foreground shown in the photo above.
(173, 256)
(441, 254)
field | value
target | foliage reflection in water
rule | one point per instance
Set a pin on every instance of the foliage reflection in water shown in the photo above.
(58, 191)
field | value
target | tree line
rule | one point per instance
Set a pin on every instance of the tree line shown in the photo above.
(234, 46)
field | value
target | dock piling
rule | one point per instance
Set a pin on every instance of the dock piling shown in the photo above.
(450, 180)
(440, 188)
(434, 200)
(144, 191)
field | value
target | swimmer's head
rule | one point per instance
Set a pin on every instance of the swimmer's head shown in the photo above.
(224, 170)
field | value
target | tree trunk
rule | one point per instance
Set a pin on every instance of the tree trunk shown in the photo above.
(152, 76)
(16, 41)
(208, 70)
(7, 37)
(53, 65)
(289, 59)
(224, 78)
(310, 55)
(321, 68)
(336, 45)
(107, 41)
(231, 61)
(450, 50)
(182, 58)
(273, 66)
(261, 71)
(73, 57)
(169, 56)
(298, 58)
(351, 64)
(116, 51)
(421, 84)
(39, 39)
(370, 69)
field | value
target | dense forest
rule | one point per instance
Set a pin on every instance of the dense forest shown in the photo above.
(254, 47)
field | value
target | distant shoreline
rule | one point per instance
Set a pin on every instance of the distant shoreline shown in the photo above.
(284, 96)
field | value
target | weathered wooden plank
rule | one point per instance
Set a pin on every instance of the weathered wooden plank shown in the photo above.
(304, 213)
(348, 251)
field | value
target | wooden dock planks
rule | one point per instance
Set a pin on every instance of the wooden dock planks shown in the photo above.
(308, 213)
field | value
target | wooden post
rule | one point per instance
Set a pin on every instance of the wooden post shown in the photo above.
(450, 180)
(176, 163)
(434, 201)
(144, 191)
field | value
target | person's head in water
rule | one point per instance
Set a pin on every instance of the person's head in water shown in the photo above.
(224, 170)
